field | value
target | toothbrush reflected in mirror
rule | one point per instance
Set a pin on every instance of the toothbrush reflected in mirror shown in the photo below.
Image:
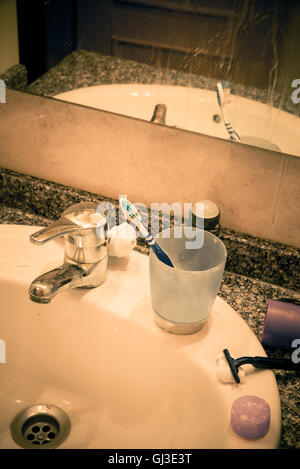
(223, 97)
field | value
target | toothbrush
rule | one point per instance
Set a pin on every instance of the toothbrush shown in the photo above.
(259, 362)
(223, 96)
(134, 215)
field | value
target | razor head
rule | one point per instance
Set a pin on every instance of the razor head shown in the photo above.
(232, 365)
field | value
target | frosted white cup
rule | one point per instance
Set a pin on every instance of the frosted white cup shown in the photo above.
(182, 297)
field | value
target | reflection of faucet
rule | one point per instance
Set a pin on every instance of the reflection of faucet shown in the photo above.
(159, 114)
(86, 252)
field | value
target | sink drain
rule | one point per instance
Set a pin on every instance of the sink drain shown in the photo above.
(40, 426)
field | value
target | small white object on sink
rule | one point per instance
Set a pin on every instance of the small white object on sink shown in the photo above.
(122, 240)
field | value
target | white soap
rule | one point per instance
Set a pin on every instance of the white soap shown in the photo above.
(122, 240)
(86, 219)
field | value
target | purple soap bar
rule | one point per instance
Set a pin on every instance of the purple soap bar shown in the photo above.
(250, 416)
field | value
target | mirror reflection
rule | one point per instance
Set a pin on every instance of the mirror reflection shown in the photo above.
(226, 68)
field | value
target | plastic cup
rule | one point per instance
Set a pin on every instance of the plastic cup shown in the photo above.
(182, 297)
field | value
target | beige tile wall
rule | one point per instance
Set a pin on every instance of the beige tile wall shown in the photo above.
(257, 190)
(287, 214)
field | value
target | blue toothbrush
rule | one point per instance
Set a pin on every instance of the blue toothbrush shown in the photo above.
(132, 214)
(223, 97)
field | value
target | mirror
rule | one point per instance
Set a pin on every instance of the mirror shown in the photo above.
(177, 53)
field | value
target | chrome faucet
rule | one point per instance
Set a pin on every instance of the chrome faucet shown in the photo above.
(86, 252)
(159, 114)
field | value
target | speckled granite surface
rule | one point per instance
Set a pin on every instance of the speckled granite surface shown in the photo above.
(83, 68)
(256, 270)
(15, 77)
(260, 259)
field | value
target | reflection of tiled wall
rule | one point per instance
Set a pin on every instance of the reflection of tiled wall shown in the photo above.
(257, 190)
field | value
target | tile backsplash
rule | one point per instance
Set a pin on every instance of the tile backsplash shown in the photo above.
(257, 190)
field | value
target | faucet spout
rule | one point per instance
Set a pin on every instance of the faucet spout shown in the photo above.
(48, 285)
(159, 114)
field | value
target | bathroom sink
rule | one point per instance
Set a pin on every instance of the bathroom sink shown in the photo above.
(98, 355)
(196, 110)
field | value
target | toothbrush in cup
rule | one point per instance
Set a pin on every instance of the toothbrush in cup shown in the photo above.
(134, 215)
(223, 97)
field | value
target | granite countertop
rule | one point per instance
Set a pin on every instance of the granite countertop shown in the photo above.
(256, 270)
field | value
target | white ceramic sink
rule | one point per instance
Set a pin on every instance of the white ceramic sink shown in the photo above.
(98, 355)
(193, 109)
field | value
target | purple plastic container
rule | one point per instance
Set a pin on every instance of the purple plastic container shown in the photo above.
(282, 325)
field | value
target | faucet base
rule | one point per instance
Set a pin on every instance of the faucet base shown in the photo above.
(86, 252)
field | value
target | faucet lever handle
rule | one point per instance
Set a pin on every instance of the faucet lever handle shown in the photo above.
(58, 228)
(159, 114)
